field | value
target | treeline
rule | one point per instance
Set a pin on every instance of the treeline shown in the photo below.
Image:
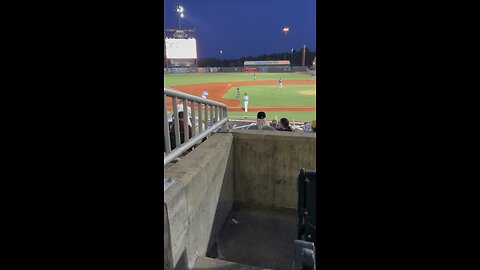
(295, 59)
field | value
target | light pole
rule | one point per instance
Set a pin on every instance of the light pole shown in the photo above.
(285, 30)
(221, 58)
(180, 14)
(291, 58)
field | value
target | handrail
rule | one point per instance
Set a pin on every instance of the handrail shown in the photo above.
(212, 115)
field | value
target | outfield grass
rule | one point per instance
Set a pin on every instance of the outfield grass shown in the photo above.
(196, 78)
(270, 95)
(291, 116)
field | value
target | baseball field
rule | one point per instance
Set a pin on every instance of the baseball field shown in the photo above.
(295, 101)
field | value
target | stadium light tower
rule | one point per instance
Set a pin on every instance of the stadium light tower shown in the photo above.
(221, 58)
(180, 14)
(285, 30)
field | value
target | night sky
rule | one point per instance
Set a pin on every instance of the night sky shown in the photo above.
(246, 27)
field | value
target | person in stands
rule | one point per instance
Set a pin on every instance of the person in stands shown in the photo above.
(284, 125)
(181, 127)
(274, 123)
(189, 109)
(261, 123)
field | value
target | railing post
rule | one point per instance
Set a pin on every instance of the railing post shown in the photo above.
(200, 120)
(176, 122)
(223, 115)
(166, 130)
(185, 121)
(211, 115)
(206, 116)
(194, 129)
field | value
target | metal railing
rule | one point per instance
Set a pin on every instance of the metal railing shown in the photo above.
(206, 117)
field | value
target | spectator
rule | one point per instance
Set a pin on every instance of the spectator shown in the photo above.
(274, 123)
(284, 125)
(307, 127)
(182, 131)
(189, 109)
(261, 122)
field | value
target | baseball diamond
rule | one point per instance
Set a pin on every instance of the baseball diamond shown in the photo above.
(297, 95)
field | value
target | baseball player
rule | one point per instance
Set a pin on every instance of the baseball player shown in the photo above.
(245, 102)
(254, 76)
(280, 83)
(204, 94)
(238, 92)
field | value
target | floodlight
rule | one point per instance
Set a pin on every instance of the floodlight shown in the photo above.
(181, 15)
(180, 8)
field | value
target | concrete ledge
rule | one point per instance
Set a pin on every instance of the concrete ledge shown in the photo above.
(167, 244)
(267, 164)
(200, 199)
(176, 203)
(284, 134)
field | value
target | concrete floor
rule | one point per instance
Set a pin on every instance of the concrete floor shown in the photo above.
(204, 263)
(261, 238)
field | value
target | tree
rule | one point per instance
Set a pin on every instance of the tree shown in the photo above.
(297, 57)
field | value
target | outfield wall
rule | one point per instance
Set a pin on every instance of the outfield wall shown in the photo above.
(234, 69)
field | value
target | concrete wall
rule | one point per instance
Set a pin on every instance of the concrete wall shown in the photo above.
(267, 164)
(200, 198)
(256, 169)
(167, 244)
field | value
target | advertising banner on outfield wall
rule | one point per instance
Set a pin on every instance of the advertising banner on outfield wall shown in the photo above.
(250, 69)
(232, 69)
(214, 69)
(279, 69)
(179, 70)
(267, 63)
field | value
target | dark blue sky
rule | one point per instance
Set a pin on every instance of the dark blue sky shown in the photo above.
(246, 27)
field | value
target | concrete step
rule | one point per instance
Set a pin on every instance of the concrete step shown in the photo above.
(204, 263)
